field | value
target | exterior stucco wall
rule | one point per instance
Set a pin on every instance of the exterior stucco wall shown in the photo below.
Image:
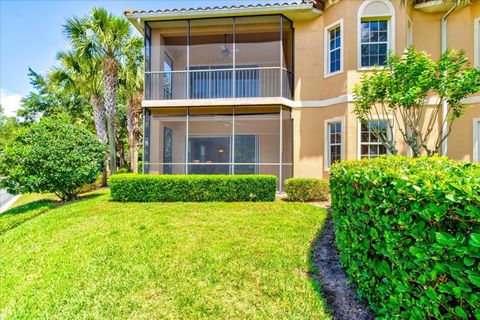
(460, 141)
(308, 138)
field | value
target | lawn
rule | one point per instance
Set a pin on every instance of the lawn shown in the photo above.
(96, 258)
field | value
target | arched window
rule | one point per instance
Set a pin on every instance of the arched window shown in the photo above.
(376, 32)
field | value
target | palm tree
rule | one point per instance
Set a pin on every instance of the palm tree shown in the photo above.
(102, 35)
(457, 3)
(132, 88)
(82, 74)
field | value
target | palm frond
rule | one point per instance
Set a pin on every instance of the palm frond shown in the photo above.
(457, 3)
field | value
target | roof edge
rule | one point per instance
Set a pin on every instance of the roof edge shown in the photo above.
(136, 17)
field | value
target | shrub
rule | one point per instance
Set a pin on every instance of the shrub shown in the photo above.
(51, 157)
(408, 233)
(122, 170)
(171, 188)
(307, 189)
(140, 167)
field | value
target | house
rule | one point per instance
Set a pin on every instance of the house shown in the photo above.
(267, 88)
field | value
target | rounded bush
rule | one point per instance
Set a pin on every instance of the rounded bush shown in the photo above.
(307, 189)
(51, 157)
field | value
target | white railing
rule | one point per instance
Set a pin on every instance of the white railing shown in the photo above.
(219, 83)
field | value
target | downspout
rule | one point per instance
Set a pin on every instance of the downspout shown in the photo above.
(444, 102)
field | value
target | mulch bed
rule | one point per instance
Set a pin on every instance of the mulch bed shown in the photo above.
(341, 297)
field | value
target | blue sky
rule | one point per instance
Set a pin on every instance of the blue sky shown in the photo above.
(31, 34)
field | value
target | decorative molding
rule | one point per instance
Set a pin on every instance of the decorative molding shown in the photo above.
(275, 101)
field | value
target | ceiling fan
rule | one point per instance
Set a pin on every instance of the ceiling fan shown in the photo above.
(226, 51)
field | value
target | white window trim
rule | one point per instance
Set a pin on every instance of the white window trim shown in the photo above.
(326, 47)
(409, 32)
(326, 141)
(476, 42)
(476, 140)
(375, 118)
(391, 29)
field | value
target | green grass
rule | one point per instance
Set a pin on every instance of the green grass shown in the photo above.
(96, 258)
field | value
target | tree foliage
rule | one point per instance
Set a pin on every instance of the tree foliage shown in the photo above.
(401, 89)
(52, 156)
(9, 127)
(49, 100)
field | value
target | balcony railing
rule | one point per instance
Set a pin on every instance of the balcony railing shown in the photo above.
(261, 82)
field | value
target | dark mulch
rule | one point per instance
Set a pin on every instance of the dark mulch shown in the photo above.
(341, 297)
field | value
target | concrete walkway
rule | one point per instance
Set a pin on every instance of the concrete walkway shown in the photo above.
(6, 200)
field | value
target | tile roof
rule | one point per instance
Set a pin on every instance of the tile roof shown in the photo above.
(318, 4)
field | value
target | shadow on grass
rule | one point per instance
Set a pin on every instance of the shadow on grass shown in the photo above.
(12, 218)
(330, 280)
(17, 216)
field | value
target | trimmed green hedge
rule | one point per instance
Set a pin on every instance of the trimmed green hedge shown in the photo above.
(195, 188)
(408, 232)
(307, 189)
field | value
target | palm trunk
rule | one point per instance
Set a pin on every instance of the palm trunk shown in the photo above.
(110, 78)
(99, 119)
(134, 109)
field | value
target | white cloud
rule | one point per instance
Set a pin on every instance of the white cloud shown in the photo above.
(10, 101)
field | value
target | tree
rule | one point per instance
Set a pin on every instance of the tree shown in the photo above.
(9, 127)
(102, 35)
(401, 88)
(83, 74)
(52, 156)
(132, 88)
(50, 100)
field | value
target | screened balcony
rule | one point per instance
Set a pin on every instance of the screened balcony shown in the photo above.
(243, 57)
(219, 140)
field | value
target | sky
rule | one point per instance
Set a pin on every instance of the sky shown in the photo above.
(31, 34)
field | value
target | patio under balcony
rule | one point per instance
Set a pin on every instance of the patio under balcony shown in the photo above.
(219, 140)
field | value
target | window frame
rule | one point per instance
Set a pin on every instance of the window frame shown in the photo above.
(326, 141)
(359, 133)
(390, 18)
(476, 140)
(326, 55)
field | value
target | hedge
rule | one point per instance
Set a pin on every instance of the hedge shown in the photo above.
(408, 233)
(195, 188)
(307, 189)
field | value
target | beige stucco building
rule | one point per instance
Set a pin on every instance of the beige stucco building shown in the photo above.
(268, 88)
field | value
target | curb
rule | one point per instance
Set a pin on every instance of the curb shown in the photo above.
(7, 205)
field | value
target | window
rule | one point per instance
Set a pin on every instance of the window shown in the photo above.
(333, 141)
(374, 43)
(370, 145)
(333, 48)
(376, 32)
